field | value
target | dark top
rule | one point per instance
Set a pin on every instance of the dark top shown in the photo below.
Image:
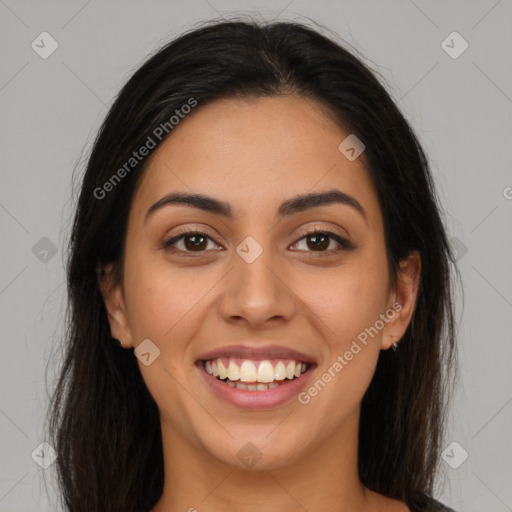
(427, 504)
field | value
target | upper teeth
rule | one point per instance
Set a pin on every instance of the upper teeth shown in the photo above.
(254, 371)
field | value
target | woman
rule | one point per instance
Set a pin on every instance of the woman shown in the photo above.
(257, 227)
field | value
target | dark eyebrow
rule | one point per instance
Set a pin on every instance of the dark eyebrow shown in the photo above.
(306, 201)
(289, 207)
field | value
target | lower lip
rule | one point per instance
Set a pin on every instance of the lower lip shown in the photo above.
(246, 399)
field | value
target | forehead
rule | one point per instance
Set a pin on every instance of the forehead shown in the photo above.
(253, 153)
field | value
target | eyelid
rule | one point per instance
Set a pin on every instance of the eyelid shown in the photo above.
(343, 243)
(167, 244)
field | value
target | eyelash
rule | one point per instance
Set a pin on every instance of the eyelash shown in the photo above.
(345, 245)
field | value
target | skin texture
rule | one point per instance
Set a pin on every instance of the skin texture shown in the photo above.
(254, 154)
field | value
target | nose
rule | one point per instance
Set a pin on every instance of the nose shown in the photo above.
(257, 294)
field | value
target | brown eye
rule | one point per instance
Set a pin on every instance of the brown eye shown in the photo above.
(319, 241)
(190, 241)
(195, 242)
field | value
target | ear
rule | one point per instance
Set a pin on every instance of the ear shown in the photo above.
(403, 300)
(114, 303)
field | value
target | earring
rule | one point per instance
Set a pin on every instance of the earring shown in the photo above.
(120, 342)
(394, 346)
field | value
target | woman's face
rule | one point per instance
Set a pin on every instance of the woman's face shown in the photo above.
(254, 279)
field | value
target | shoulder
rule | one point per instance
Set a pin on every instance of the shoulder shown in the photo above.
(420, 502)
(428, 504)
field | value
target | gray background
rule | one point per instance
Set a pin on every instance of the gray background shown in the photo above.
(461, 108)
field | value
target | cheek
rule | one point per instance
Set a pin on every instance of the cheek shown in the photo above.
(163, 301)
(154, 300)
(347, 300)
(348, 305)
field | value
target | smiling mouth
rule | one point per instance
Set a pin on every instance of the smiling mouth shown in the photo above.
(250, 375)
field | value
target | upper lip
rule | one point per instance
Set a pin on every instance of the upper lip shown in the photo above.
(257, 353)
